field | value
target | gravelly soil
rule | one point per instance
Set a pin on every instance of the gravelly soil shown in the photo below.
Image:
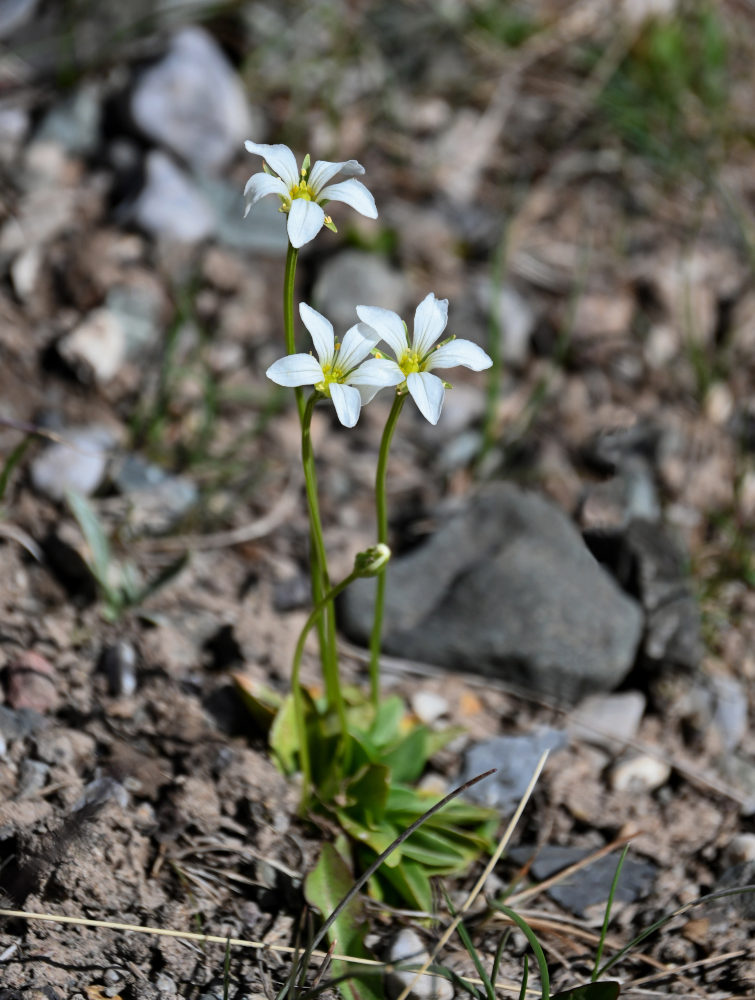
(160, 806)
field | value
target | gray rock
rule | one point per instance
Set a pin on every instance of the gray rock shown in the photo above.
(514, 317)
(158, 500)
(515, 759)
(629, 495)
(14, 126)
(77, 463)
(263, 231)
(507, 588)
(591, 885)
(15, 14)
(353, 278)
(17, 723)
(193, 103)
(32, 777)
(608, 720)
(672, 633)
(137, 310)
(170, 205)
(75, 122)
(730, 711)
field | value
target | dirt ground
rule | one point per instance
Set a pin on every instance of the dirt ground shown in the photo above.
(133, 786)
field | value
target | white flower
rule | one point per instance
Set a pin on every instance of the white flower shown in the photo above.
(304, 192)
(414, 361)
(337, 372)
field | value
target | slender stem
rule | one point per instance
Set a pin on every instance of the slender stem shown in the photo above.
(318, 578)
(321, 582)
(381, 506)
(301, 722)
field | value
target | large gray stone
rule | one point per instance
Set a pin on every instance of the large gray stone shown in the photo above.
(193, 103)
(506, 588)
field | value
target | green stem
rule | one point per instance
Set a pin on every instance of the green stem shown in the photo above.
(301, 721)
(317, 570)
(321, 582)
(381, 506)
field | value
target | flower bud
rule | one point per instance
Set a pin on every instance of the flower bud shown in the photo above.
(372, 560)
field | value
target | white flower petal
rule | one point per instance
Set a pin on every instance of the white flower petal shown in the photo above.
(260, 185)
(279, 158)
(427, 391)
(321, 331)
(368, 392)
(305, 220)
(379, 372)
(324, 171)
(347, 402)
(357, 343)
(388, 324)
(459, 352)
(352, 193)
(296, 369)
(430, 321)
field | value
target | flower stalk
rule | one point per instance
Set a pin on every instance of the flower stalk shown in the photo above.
(372, 562)
(381, 508)
(319, 569)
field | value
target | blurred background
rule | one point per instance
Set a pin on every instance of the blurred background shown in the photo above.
(577, 178)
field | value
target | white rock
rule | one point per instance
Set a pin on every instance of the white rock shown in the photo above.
(193, 103)
(96, 348)
(428, 706)
(408, 948)
(608, 720)
(515, 318)
(639, 774)
(25, 271)
(78, 464)
(740, 848)
(170, 205)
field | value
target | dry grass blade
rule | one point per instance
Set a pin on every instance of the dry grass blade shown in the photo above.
(478, 886)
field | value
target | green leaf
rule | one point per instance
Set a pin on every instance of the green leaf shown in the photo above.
(11, 462)
(607, 990)
(95, 537)
(410, 881)
(284, 741)
(324, 888)
(386, 726)
(435, 851)
(260, 701)
(164, 577)
(408, 758)
(378, 839)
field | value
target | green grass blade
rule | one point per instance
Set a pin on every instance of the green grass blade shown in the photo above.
(607, 915)
(10, 464)
(524, 927)
(525, 978)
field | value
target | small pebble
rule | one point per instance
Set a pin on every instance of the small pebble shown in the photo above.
(408, 948)
(639, 774)
(32, 777)
(428, 706)
(740, 848)
(118, 664)
(31, 683)
(608, 720)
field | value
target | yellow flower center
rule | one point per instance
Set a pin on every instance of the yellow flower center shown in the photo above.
(410, 362)
(302, 190)
(332, 373)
